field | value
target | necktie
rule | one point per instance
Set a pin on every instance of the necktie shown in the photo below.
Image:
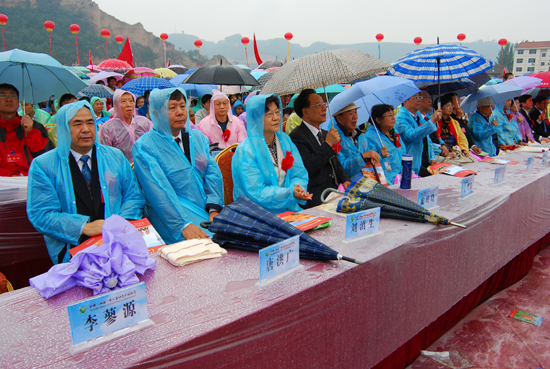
(322, 140)
(86, 173)
(178, 140)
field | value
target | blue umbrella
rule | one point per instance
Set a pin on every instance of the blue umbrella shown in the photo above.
(498, 93)
(138, 86)
(194, 90)
(37, 76)
(96, 91)
(525, 82)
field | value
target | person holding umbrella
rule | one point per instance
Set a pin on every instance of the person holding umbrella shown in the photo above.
(415, 134)
(387, 141)
(267, 167)
(73, 188)
(355, 147)
(483, 128)
(221, 126)
(181, 181)
(22, 139)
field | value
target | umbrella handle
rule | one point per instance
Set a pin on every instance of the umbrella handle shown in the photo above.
(205, 225)
(351, 260)
(326, 192)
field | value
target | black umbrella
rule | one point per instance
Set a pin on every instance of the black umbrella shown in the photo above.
(271, 64)
(365, 193)
(179, 69)
(222, 75)
(247, 226)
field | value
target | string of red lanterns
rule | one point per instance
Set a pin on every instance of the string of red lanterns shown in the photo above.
(49, 25)
(379, 38)
(198, 44)
(164, 37)
(105, 33)
(245, 41)
(288, 37)
(75, 28)
(3, 21)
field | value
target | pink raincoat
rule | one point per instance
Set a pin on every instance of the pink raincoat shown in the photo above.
(116, 133)
(235, 131)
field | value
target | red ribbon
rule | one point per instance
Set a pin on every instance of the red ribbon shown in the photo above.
(226, 135)
(337, 147)
(397, 140)
(287, 162)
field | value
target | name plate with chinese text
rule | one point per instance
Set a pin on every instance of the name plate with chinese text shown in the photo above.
(467, 186)
(362, 223)
(280, 257)
(427, 197)
(530, 163)
(500, 173)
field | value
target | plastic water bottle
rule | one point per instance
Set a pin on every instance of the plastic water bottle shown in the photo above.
(406, 171)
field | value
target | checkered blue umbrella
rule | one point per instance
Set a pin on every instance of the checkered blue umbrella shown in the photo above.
(247, 226)
(140, 85)
(96, 91)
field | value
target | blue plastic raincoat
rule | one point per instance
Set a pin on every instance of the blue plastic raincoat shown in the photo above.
(237, 103)
(254, 174)
(176, 190)
(396, 153)
(482, 132)
(412, 135)
(51, 204)
(349, 155)
(510, 127)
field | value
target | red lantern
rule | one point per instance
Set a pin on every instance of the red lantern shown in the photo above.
(198, 44)
(164, 36)
(119, 39)
(245, 40)
(379, 37)
(105, 33)
(74, 28)
(461, 37)
(418, 40)
(288, 36)
(3, 21)
(49, 25)
(502, 42)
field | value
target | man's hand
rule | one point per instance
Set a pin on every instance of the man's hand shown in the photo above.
(433, 162)
(437, 116)
(494, 123)
(346, 184)
(26, 123)
(373, 155)
(301, 194)
(476, 149)
(523, 143)
(544, 139)
(93, 228)
(384, 151)
(213, 214)
(193, 232)
(332, 137)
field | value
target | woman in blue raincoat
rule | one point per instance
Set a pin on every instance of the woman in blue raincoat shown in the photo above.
(509, 126)
(267, 167)
(100, 114)
(181, 189)
(51, 204)
(384, 122)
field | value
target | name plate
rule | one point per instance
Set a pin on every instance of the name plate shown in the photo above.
(499, 174)
(280, 257)
(467, 186)
(427, 197)
(107, 313)
(362, 223)
(530, 163)
(545, 158)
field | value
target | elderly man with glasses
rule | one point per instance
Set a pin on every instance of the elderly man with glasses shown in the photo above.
(415, 133)
(316, 146)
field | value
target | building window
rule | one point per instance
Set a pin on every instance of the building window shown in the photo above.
(519, 69)
(544, 55)
(519, 60)
(532, 51)
(542, 64)
(531, 69)
(531, 60)
(520, 52)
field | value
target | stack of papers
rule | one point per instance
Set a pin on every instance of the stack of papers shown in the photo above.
(191, 251)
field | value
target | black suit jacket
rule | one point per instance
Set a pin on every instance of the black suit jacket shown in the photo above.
(539, 129)
(316, 159)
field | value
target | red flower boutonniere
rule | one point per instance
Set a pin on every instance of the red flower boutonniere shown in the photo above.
(397, 140)
(226, 135)
(287, 162)
(337, 147)
(509, 116)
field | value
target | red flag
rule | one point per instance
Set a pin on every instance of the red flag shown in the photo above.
(256, 53)
(126, 54)
(91, 63)
(169, 64)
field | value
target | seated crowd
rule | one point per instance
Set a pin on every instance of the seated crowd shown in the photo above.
(280, 165)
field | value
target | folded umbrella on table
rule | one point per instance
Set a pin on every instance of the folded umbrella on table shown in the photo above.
(247, 226)
(365, 193)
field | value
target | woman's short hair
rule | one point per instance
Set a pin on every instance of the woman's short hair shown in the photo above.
(379, 110)
(272, 99)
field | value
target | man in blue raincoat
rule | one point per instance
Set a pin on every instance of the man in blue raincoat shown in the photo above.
(482, 126)
(181, 181)
(267, 167)
(415, 133)
(73, 188)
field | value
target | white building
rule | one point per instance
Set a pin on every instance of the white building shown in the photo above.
(531, 57)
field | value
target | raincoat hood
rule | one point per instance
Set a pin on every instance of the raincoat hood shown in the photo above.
(255, 116)
(237, 103)
(158, 110)
(116, 104)
(64, 115)
(217, 95)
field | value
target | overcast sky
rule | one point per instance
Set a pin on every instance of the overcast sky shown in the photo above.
(340, 21)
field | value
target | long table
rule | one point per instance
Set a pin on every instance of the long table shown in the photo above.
(330, 314)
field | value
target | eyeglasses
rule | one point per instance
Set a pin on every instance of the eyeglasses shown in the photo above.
(221, 103)
(417, 98)
(271, 114)
(391, 115)
(11, 96)
(323, 104)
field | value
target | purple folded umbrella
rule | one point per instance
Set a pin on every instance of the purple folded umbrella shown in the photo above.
(102, 268)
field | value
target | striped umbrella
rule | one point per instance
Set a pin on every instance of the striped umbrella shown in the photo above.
(138, 86)
(96, 91)
(114, 65)
(245, 225)
(323, 69)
